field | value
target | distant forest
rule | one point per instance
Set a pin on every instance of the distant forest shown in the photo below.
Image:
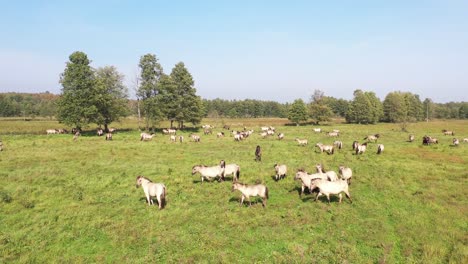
(29, 105)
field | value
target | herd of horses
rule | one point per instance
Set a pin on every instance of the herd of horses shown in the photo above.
(323, 182)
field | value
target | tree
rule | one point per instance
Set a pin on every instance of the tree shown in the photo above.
(318, 110)
(395, 109)
(151, 72)
(76, 105)
(376, 109)
(190, 106)
(365, 108)
(429, 107)
(298, 112)
(112, 96)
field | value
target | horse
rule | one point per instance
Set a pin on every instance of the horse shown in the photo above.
(181, 139)
(317, 130)
(220, 134)
(338, 144)
(331, 175)
(327, 187)
(380, 148)
(146, 136)
(448, 132)
(238, 137)
(465, 140)
(100, 132)
(109, 136)
(346, 174)
(251, 190)
(429, 140)
(361, 148)
(411, 138)
(234, 170)
(280, 136)
(207, 131)
(210, 172)
(306, 178)
(112, 130)
(77, 134)
(333, 134)
(372, 138)
(258, 153)
(195, 138)
(62, 131)
(302, 142)
(329, 149)
(227, 127)
(171, 131)
(355, 144)
(456, 142)
(51, 131)
(281, 171)
(264, 134)
(151, 189)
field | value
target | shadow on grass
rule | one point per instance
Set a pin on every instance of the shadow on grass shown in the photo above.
(255, 201)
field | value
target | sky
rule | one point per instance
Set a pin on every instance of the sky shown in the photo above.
(266, 50)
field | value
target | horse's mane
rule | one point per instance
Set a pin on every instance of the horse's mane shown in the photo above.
(143, 177)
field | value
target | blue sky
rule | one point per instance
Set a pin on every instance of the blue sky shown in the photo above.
(268, 50)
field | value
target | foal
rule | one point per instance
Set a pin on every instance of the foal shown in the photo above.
(251, 190)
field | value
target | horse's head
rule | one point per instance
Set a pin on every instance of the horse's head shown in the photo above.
(138, 181)
(195, 169)
(222, 164)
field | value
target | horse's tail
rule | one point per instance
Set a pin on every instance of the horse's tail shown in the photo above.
(163, 198)
(333, 150)
(266, 192)
(238, 173)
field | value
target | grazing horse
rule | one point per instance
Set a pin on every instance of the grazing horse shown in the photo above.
(372, 138)
(151, 189)
(181, 139)
(448, 132)
(207, 131)
(346, 173)
(325, 148)
(465, 140)
(302, 142)
(146, 136)
(109, 136)
(238, 137)
(280, 136)
(52, 131)
(251, 190)
(234, 170)
(210, 172)
(77, 134)
(258, 153)
(361, 148)
(173, 138)
(429, 140)
(100, 132)
(227, 127)
(456, 142)
(220, 134)
(317, 130)
(195, 138)
(411, 138)
(281, 171)
(333, 134)
(331, 175)
(112, 130)
(327, 187)
(380, 148)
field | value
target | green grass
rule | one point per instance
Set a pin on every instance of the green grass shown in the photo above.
(65, 201)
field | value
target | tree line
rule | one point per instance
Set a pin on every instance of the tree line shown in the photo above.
(99, 96)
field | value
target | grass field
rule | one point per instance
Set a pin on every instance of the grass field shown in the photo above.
(63, 201)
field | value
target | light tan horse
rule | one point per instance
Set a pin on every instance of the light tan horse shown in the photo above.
(151, 189)
(251, 190)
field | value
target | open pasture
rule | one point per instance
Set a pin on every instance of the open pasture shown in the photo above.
(75, 201)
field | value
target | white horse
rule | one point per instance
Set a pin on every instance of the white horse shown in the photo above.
(195, 138)
(109, 136)
(346, 174)
(281, 171)
(173, 138)
(327, 187)
(331, 175)
(411, 138)
(51, 131)
(372, 138)
(234, 170)
(361, 148)
(380, 148)
(456, 142)
(338, 144)
(306, 178)
(280, 136)
(146, 136)
(333, 134)
(325, 148)
(251, 190)
(302, 142)
(465, 140)
(210, 172)
(151, 189)
(317, 130)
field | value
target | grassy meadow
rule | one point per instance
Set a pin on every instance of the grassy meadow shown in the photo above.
(65, 201)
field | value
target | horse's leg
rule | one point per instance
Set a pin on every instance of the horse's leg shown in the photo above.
(328, 197)
(341, 197)
(348, 195)
(302, 190)
(159, 202)
(148, 198)
(242, 200)
(318, 194)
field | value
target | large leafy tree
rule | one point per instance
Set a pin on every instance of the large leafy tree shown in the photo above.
(112, 98)
(298, 112)
(151, 72)
(318, 109)
(394, 106)
(365, 108)
(76, 105)
(189, 104)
